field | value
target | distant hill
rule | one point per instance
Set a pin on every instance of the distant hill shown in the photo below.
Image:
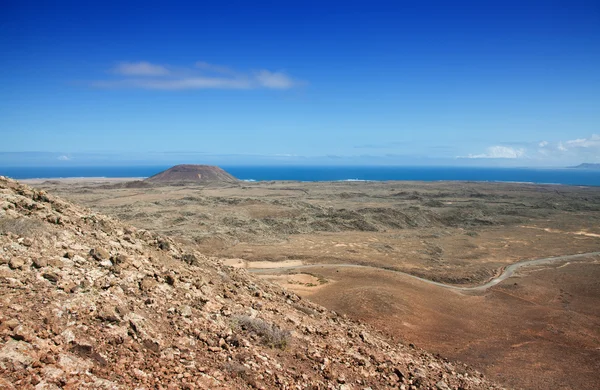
(205, 174)
(587, 166)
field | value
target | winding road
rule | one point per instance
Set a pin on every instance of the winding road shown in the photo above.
(507, 272)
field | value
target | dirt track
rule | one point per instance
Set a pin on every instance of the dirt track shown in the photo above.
(506, 273)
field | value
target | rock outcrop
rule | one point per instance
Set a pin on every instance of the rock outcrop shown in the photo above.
(87, 302)
(182, 174)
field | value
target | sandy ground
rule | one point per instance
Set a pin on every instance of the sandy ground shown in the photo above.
(241, 263)
(539, 329)
(304, 285)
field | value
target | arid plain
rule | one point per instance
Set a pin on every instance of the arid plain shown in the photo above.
(536, 329)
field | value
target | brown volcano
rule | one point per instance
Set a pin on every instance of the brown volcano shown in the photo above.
(193, 174)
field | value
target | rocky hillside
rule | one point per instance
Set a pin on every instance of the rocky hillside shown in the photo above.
(87, 302)
(204, 174)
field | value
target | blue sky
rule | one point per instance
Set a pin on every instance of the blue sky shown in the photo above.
(300, 82)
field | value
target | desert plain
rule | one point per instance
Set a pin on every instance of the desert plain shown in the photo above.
(356, 248)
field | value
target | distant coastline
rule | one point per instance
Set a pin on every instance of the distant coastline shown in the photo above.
(39, 180)
(563, 176)
(586, 166)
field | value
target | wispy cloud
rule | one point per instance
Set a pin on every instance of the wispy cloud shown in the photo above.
(176, 84)
(63, 158)
(203, 75)
(579, 146)
(592, 142)
(580, 149)
(275, 80)
(499, 152)
(142, 68)
(214, 68)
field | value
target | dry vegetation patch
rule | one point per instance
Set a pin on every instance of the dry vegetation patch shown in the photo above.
(271, 334)
(22, 227)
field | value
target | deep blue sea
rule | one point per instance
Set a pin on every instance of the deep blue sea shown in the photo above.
(314, 173)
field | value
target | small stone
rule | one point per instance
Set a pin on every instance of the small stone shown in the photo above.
(106, 263)
(68, 286)
(99, 254)
(441, 385)
(55, 219)
(56, 262)
(186, 311)
(147, 283)
(16, 263)
(21, 334)
(17, 352)
(122, 310)
(399, 373)
(151, 345)
(51, 276)
(108, 314)
(139, 374)
(40, 262)
(12, 323)
(120, 259)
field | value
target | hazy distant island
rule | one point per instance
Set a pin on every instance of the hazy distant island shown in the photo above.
(587, 166)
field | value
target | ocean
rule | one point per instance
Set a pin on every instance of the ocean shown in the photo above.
(565, 176)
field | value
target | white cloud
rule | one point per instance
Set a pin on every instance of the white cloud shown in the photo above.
(203, 75)
(585, 149)
(580, 149)
(277, 80)
(578, 146)
(141, 68)
(592, 142)
(63, 158)
(176, 84)
(500, 152)
(214, 68)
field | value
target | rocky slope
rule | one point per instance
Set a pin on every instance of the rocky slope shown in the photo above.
(203, 174)
(88, 302)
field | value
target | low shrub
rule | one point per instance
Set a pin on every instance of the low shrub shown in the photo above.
(305, 310)
(270, 334)
(23, 227)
